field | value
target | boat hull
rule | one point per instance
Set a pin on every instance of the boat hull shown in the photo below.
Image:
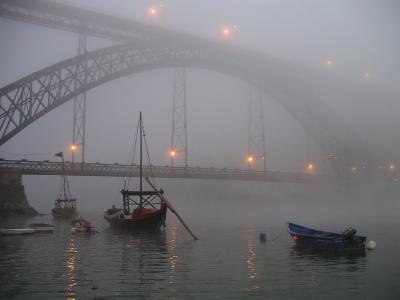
(325, 241)
(64, 213)
(42, 228)
(17, 231)
(148, 221)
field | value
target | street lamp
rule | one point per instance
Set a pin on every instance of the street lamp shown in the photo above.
(250, 160)
(152, 11)
(226, 31)
(73, 149)
(172, 154)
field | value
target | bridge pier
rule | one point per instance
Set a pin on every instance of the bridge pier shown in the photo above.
(13, 200)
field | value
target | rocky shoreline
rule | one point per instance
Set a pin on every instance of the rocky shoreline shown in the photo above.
(12, 196)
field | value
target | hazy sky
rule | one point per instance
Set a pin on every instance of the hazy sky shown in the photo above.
(361, 35)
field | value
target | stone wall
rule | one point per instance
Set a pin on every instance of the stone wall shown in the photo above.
(12, 196)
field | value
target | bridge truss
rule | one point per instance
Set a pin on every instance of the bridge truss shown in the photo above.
(147, 47)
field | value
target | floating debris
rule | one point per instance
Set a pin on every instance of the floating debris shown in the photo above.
(263, 237)
(371, 245)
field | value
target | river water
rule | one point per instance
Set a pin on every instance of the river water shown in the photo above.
(228, 262)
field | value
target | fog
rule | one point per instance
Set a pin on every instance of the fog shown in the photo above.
(357, 37)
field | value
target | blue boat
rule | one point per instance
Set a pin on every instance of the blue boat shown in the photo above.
(324, 240)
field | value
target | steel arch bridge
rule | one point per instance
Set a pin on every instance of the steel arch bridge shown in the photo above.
(31, 97)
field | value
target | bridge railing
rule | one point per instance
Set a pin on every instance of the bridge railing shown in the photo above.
(27, 167)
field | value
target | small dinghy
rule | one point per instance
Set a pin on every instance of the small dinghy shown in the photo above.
(17, 231)
(82, 226)
(324, 240)
(42, 227)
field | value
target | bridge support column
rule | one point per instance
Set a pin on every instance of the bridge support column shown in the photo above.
(256, 146)
(78, 133)
(179, 129)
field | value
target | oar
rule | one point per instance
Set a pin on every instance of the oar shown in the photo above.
(172, 209)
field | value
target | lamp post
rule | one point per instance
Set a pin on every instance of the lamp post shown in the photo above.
(172, 154)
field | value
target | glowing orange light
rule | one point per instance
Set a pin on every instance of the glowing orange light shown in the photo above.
(153, 12)
(172, 153)
(73, 148)
(391, 167)
(310, 167)
(250, 159)
(226, 31)
(354, 169)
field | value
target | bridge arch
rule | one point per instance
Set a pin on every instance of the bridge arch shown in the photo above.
(31, 97)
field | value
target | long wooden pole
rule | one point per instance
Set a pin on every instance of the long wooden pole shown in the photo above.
(172, 209)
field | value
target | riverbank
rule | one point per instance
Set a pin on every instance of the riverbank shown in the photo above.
(13, 199)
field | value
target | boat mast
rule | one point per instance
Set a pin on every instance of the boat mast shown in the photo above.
(64, 178)
(141, 163)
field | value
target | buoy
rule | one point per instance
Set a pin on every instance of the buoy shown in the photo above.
(263, 237)
(371, 245)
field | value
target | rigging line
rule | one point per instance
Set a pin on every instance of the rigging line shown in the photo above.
(148, 156)
(68, 193)
(133, 150)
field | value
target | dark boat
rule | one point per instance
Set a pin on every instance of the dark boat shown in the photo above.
(142, 209)
(324, 240)
(65, 205)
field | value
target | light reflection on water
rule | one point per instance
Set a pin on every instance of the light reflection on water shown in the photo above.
(251, 260)
(173, 258)
(70, 265)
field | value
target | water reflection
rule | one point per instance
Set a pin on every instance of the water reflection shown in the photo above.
(144, 260)
(347, 261)
(316, 269)
(252, 274)
(173, 258)
(70, 265)
(326, 256)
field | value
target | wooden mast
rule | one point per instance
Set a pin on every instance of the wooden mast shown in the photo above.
(141, 163)
(64, 179)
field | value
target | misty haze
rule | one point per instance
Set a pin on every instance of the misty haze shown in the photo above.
(179, 149)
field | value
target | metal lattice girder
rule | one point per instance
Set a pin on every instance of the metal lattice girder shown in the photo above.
(71, 18)
(29, 98)
(179, 128)
(256, 146)
(288, 84)
(78, 131)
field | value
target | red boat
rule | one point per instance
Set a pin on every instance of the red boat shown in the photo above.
(141, 209)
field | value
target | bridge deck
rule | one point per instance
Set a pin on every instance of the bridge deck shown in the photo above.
(26, 167)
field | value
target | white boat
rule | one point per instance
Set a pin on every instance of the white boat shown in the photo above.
(42, 227)
(17, 231)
